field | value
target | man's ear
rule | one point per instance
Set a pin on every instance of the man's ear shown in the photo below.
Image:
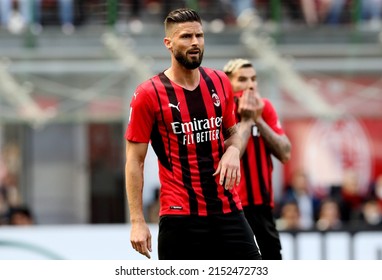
(167, 43)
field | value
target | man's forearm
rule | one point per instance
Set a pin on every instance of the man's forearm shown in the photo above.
(233, 138)
(134, 189)
(244, 130)
(279, 145)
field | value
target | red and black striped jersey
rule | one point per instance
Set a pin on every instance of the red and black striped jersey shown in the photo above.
(256, 167)
(185, 129)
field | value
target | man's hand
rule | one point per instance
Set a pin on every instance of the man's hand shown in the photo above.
(259, 107)
(229, 168)
(250, 105)
(140, 238)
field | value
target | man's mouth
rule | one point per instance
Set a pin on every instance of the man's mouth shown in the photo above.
(194, 52)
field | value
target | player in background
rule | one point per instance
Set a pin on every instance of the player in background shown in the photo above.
(262, 137)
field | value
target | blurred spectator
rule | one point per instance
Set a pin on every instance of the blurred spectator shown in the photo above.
(375, 191)
(329, 217)
(315, 12)
(17, 14)
(293, 7)
(371, 215)
(9, 196)
(334, 12)
(348, 196)
(167, 6)
(299, 192)
(4, 206)
(135, 9)
(289, 217)
(9, 165)
(216, 13)
(310, 12)
(322, 11)
(66, 14)
(21, 216)
(11, 16)
(242, 6)
(8, 191)
(371, 12)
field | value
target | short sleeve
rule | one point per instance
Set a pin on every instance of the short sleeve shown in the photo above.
(141, 117)
(229, 118)
(271, 118)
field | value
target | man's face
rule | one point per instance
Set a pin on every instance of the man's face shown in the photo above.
(186, 42)
(244, 78)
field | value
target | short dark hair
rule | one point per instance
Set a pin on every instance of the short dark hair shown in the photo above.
(23, 210)
(181, 15)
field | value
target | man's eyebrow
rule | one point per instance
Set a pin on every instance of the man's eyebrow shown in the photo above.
(191, 32)
(243, 77)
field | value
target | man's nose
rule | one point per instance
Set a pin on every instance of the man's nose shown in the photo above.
(252, 85)
(195, 40)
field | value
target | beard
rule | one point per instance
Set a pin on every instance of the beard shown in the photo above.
(189, 64)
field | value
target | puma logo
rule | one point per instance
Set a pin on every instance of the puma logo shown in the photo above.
(135, 94)
(174, 106)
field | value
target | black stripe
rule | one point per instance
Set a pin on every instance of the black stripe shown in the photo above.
(158, 147)
(204, 157)
(218, 112)
(221, 83)
(248, 181)
(157, 140)
(183, 153)
(263, 188)
(269, 167)
(218, 109)
(246, 166)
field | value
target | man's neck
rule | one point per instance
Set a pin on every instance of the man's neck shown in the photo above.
(188, 79)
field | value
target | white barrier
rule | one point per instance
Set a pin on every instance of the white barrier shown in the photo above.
(112, 242)
(74, 242)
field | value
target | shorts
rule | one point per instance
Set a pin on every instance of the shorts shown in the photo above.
(215, 237)
(262, 222)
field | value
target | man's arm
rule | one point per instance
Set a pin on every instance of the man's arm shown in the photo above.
(229, 165)
(279, 145)
(140, 235)
(244, 130)
(249, 107)
(251, 104)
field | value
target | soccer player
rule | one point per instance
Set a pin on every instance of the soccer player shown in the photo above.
(262, 136)
(187, 113)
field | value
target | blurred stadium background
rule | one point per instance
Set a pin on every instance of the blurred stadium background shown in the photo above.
(65, 90)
